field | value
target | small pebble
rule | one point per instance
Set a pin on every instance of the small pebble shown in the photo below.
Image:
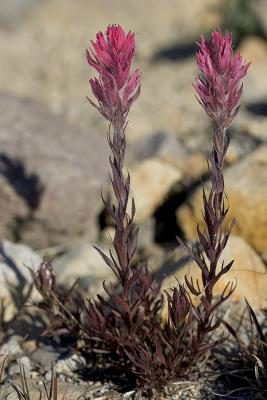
(29, 346)
(48, 375)
(34, 374)
(12, 346)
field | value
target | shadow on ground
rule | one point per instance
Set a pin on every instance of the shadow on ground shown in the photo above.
(176, 52)
(258, 108)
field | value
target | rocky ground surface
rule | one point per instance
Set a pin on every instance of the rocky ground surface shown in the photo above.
(53, 165)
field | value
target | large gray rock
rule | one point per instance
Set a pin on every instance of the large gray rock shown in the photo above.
(54, 169)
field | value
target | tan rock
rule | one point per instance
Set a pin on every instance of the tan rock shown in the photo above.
(150, 182)
(252, 118)
(195, 166)
(255, 127)
(254, 49)
(246, 189)
(248, 271)
(29, 346)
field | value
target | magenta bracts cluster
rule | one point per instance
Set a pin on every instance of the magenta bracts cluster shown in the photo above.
(219, 86)
(116, 88)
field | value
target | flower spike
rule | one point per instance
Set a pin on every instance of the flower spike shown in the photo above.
(116, 88)
(219, 86)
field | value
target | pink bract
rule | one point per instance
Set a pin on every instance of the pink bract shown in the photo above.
(219, 86)
(115, 88)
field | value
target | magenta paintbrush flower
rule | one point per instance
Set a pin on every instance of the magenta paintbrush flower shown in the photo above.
(219, 86)
(116, 88)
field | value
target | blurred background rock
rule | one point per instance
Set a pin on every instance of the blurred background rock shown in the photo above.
(53, 155)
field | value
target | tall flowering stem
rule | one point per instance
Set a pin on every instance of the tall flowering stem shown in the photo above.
(219, 89)
(115, 90)
(132, 311)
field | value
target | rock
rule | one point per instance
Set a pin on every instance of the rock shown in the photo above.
(45, 356)
(29, 346)
(252, 118)
(34, 375)
(56, 171)
(15, 279)
(151, 181)
(84, 263)
(12, 347)
(252, 121)
(107, 233)
(70, 364)
(254, 50)
(248, 271)
(242, 144)
(246, 189)
(171, 150)
(25, 362)
(146, 234)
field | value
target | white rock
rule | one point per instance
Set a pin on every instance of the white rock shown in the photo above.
(84, 263)
(70, 364)
(14, 260)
